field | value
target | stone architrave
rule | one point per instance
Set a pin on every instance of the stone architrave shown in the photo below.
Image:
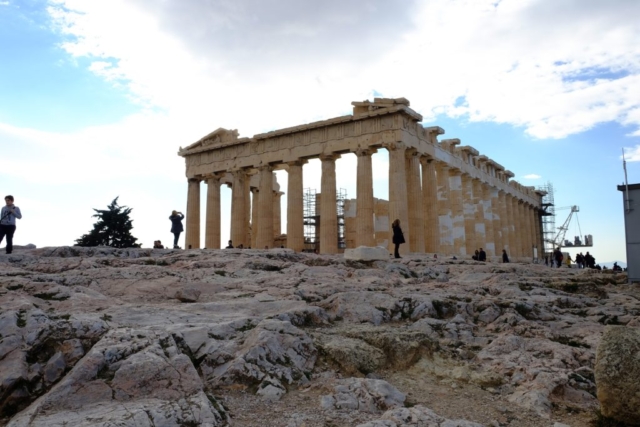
(480, 231)
(445, 222)
(264, 238)
(398, 204)
(255, 208)
(497, 225)
(328, 211)
(430, 205)
(364, 199)
(192, 235)
(295, 207)
(469, 214)
(414, 202)
(277, 214)
(238, 209)
(212, 232)
(489, 244)
(457, 212)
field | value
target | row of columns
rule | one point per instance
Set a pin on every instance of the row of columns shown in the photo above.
(441, 209)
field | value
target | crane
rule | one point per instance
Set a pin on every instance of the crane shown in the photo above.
(559, 241)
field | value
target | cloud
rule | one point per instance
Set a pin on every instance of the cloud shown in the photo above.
(553, 68)
(532, 176)
(632, 154)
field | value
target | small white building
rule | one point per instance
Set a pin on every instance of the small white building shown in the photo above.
(631, 206)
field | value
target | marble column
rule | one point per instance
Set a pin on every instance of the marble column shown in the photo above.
(522, 234)
(445, 221)
(504, 222)
(295, 208)
(238, 209)
(277, 213)
(398, 204)
(516, 227)
(513, 240)
(212, 232)
(480, 231)
(414, 201)
(247, 211)
(192, 235)
(328, 206)
(538, 230)
(430, 205)
(255, 208)
(532, 227)
(469, 214)
(457, 212)
(497, 226)
(264, 236)
(364, 199)
(489, 244)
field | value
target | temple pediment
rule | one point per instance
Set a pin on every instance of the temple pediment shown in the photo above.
(217, 138)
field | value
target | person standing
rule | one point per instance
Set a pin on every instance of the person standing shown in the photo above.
(505, 257)
(398, 237)
(176, 227)
(8, 216)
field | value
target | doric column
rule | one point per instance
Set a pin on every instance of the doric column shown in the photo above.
(265, 209)
(489, 244)
(277, 214)
(430, 205)
(445, 222)
(255, 208)
(517, 238)
(328, 206)
(295, 220)
(522, 233)
(532, 227)
(414, 202)
(238, 209)
(480, 231)
(398, 204)
(192, 235)
(212, 232)
(469, 214)
(504, 222)
(364, 199)
(497, 226)
(247, 210)
(457, 212)
(538, 231)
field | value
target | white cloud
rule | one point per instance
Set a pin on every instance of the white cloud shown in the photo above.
(632, 154)
(532, 176)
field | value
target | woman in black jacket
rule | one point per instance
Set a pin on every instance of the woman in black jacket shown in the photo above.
(176, 227)
(398, 237)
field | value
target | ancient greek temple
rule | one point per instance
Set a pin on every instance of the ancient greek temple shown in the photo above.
(449, 198)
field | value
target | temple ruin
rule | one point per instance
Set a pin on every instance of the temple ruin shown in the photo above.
(449, 198)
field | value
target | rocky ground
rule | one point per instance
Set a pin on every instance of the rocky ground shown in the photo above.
(140, 337)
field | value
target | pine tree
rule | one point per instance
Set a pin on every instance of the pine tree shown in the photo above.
(112, 229)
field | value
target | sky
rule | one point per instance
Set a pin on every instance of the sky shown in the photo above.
(96, 97)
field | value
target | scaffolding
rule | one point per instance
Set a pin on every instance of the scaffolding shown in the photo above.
(312, 219)
(548, 218)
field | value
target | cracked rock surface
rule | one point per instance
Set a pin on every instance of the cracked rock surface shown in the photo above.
(141, 337)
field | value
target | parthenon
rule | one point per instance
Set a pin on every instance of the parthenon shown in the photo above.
(449, 198)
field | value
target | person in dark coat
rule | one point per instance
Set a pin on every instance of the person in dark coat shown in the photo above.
(176, 227)
(505, 257)
(482, 255)
(398, 237)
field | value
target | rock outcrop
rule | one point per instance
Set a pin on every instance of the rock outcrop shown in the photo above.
(102, 336)
(617, 374)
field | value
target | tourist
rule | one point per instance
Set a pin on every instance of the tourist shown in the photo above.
(157, 245)
(176, 227)
(398, 237)
(482, 255)
(8, 216)
(616, 267)
(557, 257)
(476, 255)
(589, 260)
(505, 257)
(569, 260)
(230, 245)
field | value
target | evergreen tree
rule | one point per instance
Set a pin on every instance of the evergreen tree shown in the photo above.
(112, 229)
